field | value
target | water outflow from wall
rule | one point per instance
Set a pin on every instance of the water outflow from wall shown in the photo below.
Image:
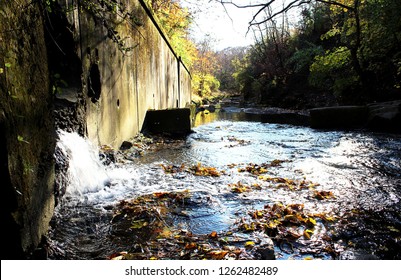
(85, 171)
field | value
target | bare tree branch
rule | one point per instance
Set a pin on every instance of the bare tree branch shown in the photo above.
(286, 8)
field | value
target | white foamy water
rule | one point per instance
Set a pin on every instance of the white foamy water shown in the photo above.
(85, 171)
(89, 181)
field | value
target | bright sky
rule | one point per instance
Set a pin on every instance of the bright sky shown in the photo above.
(228, 27)
(227, 24)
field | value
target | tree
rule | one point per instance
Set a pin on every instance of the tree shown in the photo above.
(355, 53)
(229, 63)
(175, 21)
(203, 81)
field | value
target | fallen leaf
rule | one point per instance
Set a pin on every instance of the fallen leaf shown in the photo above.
(307, 233)
(191, 246)
(311, 222)
(323, 195)
(138, 224)
(217, 255)
(249, 244)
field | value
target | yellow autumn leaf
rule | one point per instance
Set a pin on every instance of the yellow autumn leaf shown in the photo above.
(249, 244)
(311, 221)
(307, 233)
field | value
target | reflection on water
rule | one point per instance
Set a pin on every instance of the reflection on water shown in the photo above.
(361, 169)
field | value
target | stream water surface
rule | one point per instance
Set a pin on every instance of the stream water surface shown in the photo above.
(350, 179)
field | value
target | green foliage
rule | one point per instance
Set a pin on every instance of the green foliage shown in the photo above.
(229, 61)
(175, 21)
(243, 74)
(49, 5)
(345, 48)
(21, 139)
(6, 65)
(333, 70)
(204, 85)
(58, 84)
(303, 58)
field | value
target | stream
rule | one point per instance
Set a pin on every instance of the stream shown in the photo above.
(343, 189)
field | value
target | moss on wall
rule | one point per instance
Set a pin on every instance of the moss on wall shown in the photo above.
(27, 133)
(106, 66)
(128, 67)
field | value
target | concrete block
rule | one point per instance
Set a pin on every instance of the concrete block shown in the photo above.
(172, 121)
(339, 117)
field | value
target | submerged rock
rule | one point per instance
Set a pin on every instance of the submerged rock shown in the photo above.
(357, 255)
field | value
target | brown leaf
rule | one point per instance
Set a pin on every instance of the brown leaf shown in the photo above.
(217, 255)
(323, 195)
(191, 246)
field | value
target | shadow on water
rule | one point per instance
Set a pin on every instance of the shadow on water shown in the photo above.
(315, 194)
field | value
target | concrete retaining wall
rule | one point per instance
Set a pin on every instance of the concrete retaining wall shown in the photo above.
(106, 63)
(128, 68)
(27, 136)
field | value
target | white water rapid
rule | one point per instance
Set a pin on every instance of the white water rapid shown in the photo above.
(85, 171)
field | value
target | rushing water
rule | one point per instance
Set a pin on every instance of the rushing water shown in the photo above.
(361, 169)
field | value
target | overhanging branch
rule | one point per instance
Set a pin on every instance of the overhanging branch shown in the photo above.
(293, 4)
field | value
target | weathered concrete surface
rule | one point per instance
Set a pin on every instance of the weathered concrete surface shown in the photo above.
(339, 117)
(384, 116)
(128, 68)
(107, 66)
(175, 122)
(26, 130)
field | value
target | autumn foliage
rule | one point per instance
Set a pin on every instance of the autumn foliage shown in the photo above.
(198, 57)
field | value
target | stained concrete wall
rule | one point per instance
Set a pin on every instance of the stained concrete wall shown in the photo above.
(27, 136)
(128, 68)
(108, 65)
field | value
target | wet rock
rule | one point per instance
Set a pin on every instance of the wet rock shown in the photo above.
(69, 111)
(357, 255)
(211, 108)
(126, 145)
(107, 157)
(265, 251)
